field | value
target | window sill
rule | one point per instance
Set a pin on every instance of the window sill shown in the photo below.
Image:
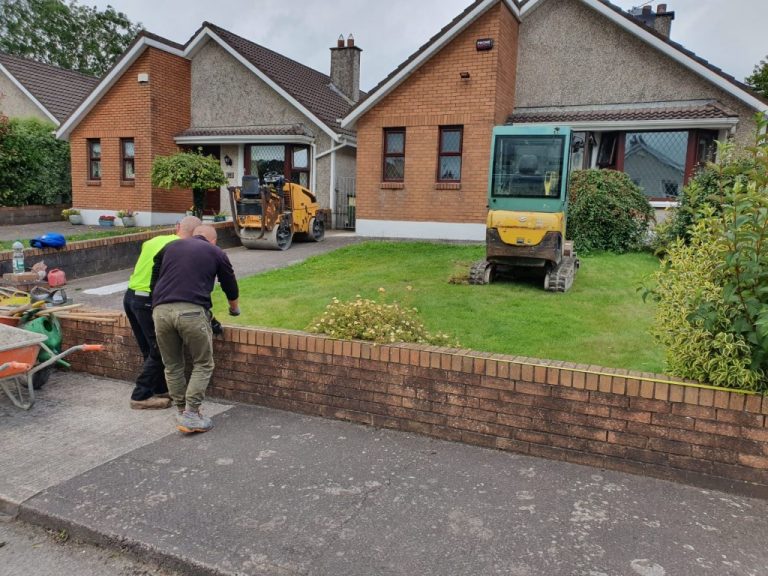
(392, 185)
(93, 182)
(447, 185)
(127, 182)
(664, 203)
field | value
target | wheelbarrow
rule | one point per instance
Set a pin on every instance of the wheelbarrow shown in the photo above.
(18, 352)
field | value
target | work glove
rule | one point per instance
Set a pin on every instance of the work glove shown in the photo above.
(234, 311)
(216, 327)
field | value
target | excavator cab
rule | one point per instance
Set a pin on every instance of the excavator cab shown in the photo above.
(527, 205)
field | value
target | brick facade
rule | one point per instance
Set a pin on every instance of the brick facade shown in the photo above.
(435, 95)
(152, 114)
(634, 422)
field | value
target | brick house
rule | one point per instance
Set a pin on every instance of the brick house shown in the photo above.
(30, 89)
(250, 107)
(636, 100)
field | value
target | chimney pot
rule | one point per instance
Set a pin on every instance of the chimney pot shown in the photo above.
(350, 41)
(340, 41)
(646, 10)
(661, 9)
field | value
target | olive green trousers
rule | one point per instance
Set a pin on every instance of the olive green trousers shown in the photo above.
(181, 326)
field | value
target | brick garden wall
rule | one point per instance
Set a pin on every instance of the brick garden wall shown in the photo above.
(615, 419)
(14, 215)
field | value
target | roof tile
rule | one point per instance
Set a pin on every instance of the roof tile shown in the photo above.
(617, 113)
(59, 91)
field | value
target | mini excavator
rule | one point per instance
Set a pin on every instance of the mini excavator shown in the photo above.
(527, 206)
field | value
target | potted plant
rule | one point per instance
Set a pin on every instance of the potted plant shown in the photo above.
(128, 217)
(73, 215)
(106, 220)
(219, 216)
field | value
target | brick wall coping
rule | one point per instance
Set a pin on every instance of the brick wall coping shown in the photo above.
(99, 242)
(88, 244)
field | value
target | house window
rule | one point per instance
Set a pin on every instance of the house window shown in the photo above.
(657, 161)
(271, 161)
(127, 158)
(449, 155)
(394, 154)
(581, 150)
(94, 159)
(267, 161)
(300, 165)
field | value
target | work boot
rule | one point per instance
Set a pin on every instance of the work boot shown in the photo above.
(151, 403)
(190, 422)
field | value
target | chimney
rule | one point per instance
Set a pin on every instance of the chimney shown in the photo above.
(662, 23)
(345, 68)
(661, 20)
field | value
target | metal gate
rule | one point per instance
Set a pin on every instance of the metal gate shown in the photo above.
(344, 214)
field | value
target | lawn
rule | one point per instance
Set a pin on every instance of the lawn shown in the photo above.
(601, 320)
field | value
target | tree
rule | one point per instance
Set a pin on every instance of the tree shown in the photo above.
(69, 36)
(34, 165)
(759, 78)
(188, 170)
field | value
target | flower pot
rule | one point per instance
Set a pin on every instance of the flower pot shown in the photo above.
(106, 223)
(219, 218)
(129, 221)
(75, 219)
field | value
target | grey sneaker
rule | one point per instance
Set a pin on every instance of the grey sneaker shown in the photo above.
(189, 422)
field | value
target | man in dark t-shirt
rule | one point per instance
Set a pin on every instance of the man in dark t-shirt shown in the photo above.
(183, 278)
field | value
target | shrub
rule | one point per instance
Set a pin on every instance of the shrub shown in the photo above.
(364, 319)
(607, 211)
(706, 188)
(34, 165)
(712, 291)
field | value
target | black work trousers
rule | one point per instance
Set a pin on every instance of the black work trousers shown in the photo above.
(151, 379)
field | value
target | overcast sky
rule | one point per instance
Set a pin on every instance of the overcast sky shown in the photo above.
(730, 34)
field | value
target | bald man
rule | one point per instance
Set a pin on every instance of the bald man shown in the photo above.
(150, 391)
(183, 278)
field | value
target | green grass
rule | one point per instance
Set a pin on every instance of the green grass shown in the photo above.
(602, 320)
(92, 233)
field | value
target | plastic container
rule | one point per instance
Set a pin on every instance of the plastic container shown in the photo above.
(56, 277)
(18, 257)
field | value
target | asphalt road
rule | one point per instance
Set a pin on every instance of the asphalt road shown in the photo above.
(32, 551)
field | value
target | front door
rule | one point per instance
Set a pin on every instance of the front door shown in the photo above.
(212, 204)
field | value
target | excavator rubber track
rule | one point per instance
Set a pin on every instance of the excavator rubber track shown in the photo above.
(481, 273)
(560, 278)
